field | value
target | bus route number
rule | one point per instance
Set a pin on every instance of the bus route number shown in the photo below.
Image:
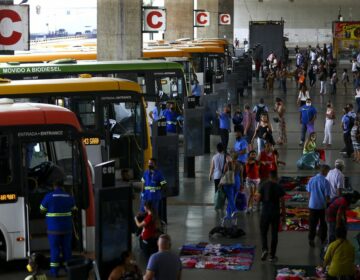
(9, 197)
(91, 141)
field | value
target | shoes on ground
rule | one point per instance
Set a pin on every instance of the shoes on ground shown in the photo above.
(264, 255)
(273, 259)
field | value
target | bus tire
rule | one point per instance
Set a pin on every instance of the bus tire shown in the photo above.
(2, 246)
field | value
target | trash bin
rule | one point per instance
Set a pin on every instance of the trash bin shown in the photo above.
(78, 268)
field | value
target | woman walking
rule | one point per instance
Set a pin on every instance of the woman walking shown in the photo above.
(329, 122)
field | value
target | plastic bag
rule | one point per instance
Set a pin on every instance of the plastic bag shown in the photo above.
(219, 199)
(309, 161)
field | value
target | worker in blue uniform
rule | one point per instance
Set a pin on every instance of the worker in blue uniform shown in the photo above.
(58, 206)
(153, 186)
(171, 117)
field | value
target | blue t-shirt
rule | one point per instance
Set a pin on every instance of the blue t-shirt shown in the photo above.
(157, 114)
(165, 265)
(307, 113)
(345, 120)
(224, 121)
(319, 189)
(196, 89)
(241, 144)
(58, 206)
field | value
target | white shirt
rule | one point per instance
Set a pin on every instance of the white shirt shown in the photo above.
(218, 161)
(337, 181)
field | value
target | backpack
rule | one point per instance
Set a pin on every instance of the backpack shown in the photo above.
(259, 111)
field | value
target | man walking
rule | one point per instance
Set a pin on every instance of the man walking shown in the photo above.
(271, 194)
(163, 265)
(307, 119)
(336, 179)
(224, 119)
(319, 192)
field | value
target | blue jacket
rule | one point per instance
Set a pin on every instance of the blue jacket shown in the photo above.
(171, 120)
(58, 206)
(153, 182)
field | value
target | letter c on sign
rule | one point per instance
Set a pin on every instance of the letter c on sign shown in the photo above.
(15, 36)
(224, 18)
(199, 18)
(150, 22)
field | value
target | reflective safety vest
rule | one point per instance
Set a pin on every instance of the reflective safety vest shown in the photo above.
(58, 206)
(171, 120)
(153, 182)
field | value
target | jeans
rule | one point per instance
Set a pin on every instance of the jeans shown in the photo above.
(358, 104)
(230, 196)
(322, 87)
(303, 132)
(260, 144)
(348, 144)
(283, 85)
(224, 135)
(268, 219)
(316, 216)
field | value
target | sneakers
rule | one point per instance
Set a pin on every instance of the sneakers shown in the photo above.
(273, 259)
(264, 255)
(311, 243)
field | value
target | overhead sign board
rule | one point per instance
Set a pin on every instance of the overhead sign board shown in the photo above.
(14, 27)
(201, 18)
(224, 19)
(154, 19)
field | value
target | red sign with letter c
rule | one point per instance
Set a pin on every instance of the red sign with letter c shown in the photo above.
(150, 21)
(201, 18)
(15, 36)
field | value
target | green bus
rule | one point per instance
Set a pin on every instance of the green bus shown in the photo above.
(159, 80)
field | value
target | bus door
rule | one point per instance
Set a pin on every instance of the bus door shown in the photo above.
(127, 132)
(199, 68)
(38, 157)
(12, 201)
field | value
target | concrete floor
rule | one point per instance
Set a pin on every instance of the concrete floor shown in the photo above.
(191, 215)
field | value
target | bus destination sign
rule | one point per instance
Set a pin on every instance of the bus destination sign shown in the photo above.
(8, 197)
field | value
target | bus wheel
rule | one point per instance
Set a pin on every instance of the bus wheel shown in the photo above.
(2, 246)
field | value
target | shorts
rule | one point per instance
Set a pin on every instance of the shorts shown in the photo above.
(252, 182)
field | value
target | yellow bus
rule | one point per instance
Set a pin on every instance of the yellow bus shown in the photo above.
(111, 112)
(46, 57)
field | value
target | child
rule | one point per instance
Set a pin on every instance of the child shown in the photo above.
(252, 179)
(36, 262)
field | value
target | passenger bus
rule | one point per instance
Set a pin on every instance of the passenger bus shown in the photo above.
(46, 57)
(159, 80)
(208, 63)
(111, 112)
(33, 137)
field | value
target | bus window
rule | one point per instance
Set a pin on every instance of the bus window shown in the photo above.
(123, 118)
(86, 112)
(169, 88)
(5, 160)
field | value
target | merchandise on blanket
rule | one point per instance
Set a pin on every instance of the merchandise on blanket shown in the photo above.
(217, 256)
(303, 180)
(297, 219)
(287, 274)
(300, 188)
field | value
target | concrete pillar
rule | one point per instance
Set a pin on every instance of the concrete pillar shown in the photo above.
(179, 19)
(119, 27)
(227, 7)
(211, 6)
